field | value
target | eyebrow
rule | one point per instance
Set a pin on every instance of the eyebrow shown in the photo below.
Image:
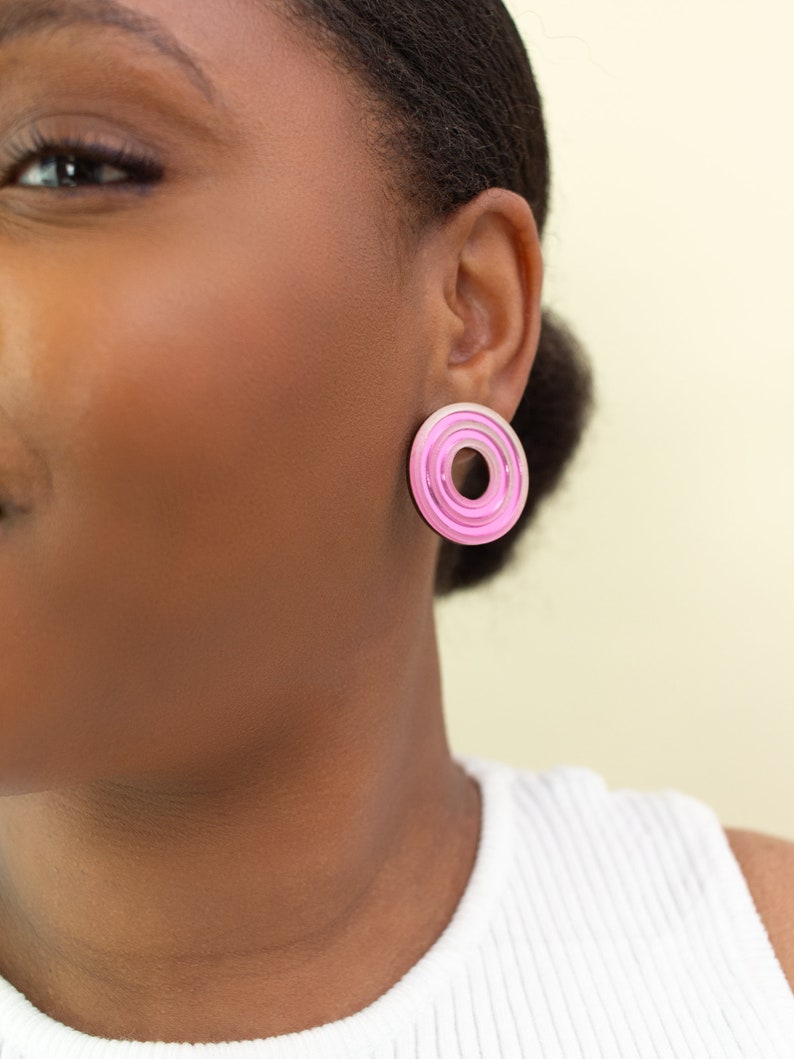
(21, 18)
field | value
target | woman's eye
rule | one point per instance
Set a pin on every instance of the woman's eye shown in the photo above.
(56, 171)
(79, 164)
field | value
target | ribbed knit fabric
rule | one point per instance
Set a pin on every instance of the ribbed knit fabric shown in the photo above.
(596, 924)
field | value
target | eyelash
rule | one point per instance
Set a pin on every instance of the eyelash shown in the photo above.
(142, 169)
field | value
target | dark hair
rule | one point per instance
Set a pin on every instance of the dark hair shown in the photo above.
(458, 111)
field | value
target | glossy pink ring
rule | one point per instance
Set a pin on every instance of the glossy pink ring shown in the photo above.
(440, 503)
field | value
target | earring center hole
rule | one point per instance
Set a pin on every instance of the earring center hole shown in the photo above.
(470, 474)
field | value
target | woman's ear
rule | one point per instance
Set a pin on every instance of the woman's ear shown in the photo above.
(492, 269)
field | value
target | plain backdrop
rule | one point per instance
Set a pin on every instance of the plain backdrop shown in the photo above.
(647, 627)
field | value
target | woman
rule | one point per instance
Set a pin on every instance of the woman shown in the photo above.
(249, 251)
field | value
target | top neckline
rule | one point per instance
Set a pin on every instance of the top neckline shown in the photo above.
(35, 1034)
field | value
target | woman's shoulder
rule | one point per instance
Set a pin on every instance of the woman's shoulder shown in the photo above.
(767, 863)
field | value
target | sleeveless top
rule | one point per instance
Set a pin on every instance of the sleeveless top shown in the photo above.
(596, 924)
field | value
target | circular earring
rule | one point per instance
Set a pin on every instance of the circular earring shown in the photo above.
(442, 436)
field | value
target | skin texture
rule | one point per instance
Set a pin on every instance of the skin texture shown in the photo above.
(217, 631)
(231, 810)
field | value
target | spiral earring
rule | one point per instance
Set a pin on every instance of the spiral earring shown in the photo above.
(438, 441)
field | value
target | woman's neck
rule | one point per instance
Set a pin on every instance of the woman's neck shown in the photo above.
(277, 898)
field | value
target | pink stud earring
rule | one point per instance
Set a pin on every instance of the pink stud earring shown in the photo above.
(443, 435)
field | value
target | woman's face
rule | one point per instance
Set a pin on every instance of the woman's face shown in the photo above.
(209, 373)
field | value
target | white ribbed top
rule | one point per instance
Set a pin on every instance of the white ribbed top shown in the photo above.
(596, 924)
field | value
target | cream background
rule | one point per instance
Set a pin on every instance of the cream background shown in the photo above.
(646, 630)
